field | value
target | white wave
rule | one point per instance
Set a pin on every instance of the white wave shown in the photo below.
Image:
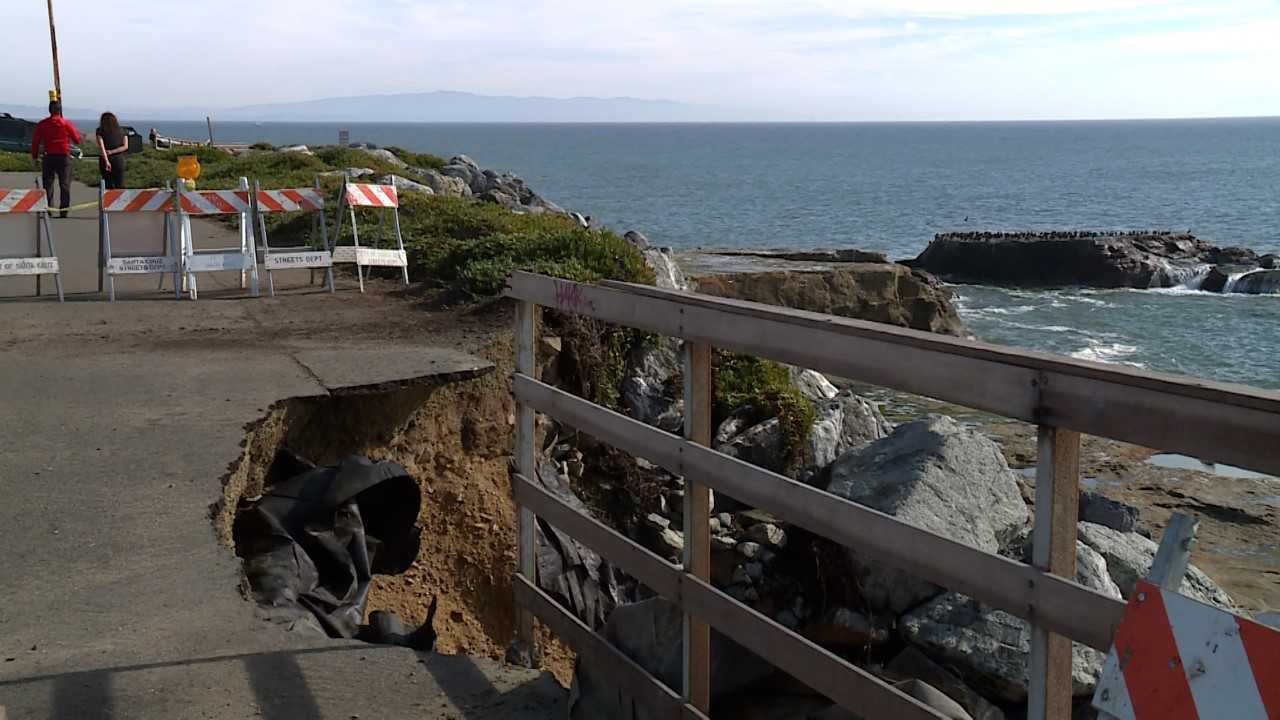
(1043, 328)
(1108, 353)
(984, 311)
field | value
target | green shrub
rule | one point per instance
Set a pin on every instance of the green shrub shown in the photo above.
(419, 160)
(764, 388)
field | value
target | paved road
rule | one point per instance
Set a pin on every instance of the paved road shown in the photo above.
(117, 423)
(76, 240)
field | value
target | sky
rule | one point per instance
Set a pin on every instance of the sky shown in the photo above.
(823, 60)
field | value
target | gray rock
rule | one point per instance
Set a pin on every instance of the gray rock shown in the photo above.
(637, 238)
(934, 698)
(723, 543)
(989, 648)
(749, 550)
(386, 156)
(647, 394)
(938, 476)
(812, 384)
(761, 445)
(1269, 262)
(767, 534)
(845, 422)
(1091, 568)
(444, 185)
(666, 271)
(465, 169)
(1129, 557)
(1258, 282)
(911, 663)
(404, 185)
(650, 633)
(1104, 511)
(733, 425)
(300, 149)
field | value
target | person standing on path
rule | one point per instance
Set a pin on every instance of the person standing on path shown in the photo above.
(112, 147)
(56, 134)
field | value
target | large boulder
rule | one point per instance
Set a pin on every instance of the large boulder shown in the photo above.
(762, 445)
(845, 422)
(1259, 282)
(444, 185)
(666, 272)
(385, 156)
(648, 394)
(1057, 259)
(812, 384)
(879, 292)
(938, 476)
(911, 663)
(466, 170)
(1129, 557)
(650, 633)
(988, 647)
(405, 185)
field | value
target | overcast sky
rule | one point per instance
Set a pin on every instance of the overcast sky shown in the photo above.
(766, 59)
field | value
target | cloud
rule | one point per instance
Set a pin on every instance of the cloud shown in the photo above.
(803, 59)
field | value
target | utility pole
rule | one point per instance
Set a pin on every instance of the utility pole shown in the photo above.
(53, 41)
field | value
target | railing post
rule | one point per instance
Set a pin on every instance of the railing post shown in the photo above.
(697, 529)
(526, 464)
(1054, 550)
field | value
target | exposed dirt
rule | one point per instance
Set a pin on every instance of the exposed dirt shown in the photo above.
(456, 440)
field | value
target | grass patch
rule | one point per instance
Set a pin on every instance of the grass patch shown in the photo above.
(419, 160)
(764, 388)
(15, 162)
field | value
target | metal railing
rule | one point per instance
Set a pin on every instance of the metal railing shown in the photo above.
(1064, 397)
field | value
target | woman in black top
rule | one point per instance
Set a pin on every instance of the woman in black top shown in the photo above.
(112, 147)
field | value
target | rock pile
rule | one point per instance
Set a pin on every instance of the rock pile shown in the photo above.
(1107, 259)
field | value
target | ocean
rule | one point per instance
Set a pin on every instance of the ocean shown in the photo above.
(891, 186)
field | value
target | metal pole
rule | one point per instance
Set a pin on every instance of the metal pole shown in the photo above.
(53, 252)
(53, 43)
(209, 121)
(324, 239)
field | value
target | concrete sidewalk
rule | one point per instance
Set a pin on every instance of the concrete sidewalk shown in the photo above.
(117, 424)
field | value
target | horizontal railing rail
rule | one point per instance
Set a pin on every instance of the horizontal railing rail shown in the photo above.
(1213, 421)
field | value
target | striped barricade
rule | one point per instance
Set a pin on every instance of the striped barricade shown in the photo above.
(19, 204)
(1175, 658)
(308, 200)
(384, 198)
(138, 251)
(242, 258)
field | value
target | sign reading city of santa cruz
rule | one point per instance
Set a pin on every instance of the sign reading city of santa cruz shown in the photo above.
(28, 266)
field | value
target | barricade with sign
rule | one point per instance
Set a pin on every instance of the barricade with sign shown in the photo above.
(18, 206)
(139, 247)
(356, 195)
(309, 200)
(242, 258)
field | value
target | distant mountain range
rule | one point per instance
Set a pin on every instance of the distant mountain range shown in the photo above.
(441, 106)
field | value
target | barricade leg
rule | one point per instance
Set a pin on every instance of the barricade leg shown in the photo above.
(53, 250)
(395, 219)
(355, 239)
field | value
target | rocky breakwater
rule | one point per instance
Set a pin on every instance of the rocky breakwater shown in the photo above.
(882, 292)
(1116, 259)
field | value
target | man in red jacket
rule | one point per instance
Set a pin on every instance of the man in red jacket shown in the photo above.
(57, 134)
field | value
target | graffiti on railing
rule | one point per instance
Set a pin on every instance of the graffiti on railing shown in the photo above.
(570, 297)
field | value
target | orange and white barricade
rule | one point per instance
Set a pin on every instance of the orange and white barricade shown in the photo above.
(18, 207)
(356, 195)
(242, 258)
(1174, 658)
(144, 241)
(309, 200)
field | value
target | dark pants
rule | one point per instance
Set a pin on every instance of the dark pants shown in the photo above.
(114, 178)
(58, 166)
